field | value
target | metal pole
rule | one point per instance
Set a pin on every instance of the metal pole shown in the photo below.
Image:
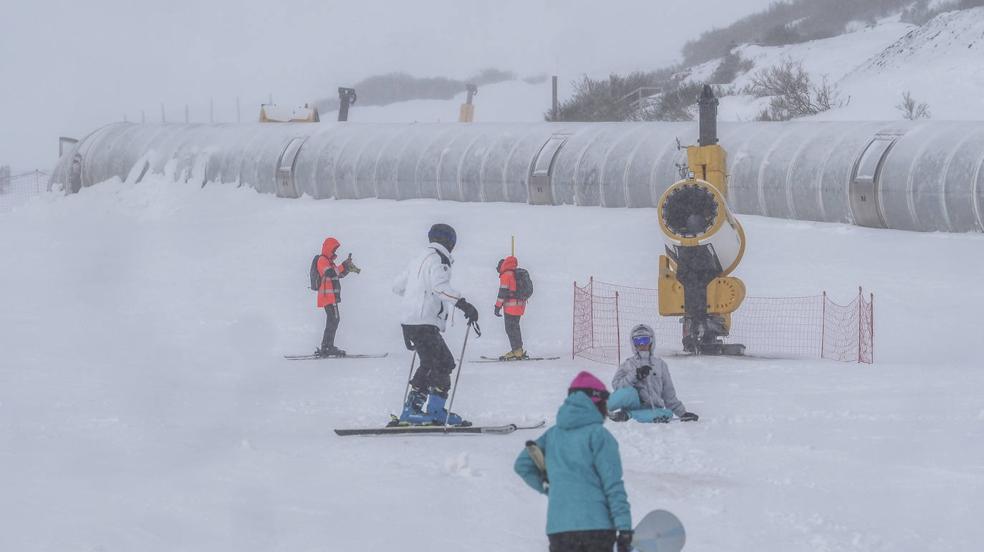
(871, 326)
(618, 332)
(860, 321)
(239, 117)
(553, 108)
(186, 113)
(591, 310)
(574, 325)
(823, 321)
(454, 388)
(406, 392)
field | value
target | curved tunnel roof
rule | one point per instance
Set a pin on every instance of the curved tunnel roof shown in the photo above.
(911, 176)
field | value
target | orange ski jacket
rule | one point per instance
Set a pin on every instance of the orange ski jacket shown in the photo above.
(330, 292)
(507, 299)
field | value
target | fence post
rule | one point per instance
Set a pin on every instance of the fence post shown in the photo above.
(823, 322)
(618, 333)
(574, 324)
(860, 321)
(871, 326)
(591, 311)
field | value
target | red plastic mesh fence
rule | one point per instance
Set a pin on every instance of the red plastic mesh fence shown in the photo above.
(786, 327)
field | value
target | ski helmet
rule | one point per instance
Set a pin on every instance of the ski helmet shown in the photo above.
(642, 335)
(593, 387)
(443, 234)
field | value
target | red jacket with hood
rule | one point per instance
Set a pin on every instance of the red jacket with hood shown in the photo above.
(330, 292)
(507, 288)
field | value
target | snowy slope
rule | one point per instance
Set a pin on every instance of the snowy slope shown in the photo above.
(144, 403)
(941, 63)
(871, 66)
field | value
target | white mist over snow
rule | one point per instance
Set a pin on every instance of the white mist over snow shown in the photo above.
(144, 403)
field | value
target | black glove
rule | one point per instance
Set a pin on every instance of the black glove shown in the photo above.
(498, 311)
(406, 339)
(471, 313)
(350, 266)
(689, 417)
(643, 372)
(623, 543)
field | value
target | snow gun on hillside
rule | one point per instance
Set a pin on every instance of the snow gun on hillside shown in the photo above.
(704, 244)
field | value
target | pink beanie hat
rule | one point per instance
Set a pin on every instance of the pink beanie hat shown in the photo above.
(587, 380)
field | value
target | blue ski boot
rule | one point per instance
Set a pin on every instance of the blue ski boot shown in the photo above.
(413, 409)
(439, 415)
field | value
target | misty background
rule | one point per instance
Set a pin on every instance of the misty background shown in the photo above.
(68, 67)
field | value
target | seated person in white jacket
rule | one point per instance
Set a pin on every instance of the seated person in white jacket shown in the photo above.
(428, 297)
(643, 387)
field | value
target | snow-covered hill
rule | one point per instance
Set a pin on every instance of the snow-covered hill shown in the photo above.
(870, 66)
(144, 403)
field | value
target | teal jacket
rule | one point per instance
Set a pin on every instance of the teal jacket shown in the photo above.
(584, 469)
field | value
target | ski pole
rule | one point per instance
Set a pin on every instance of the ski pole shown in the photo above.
(461, 360)
(406, 392)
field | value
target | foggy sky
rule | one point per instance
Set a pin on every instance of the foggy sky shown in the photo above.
(68, 67)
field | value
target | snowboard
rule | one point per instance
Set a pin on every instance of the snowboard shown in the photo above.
(491, 359)
(316, 357)
(659, 531)
(438, 429)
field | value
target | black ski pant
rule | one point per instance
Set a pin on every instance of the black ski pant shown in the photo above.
(436, 362)
(331, 326)
(582, 541)
(513, 331)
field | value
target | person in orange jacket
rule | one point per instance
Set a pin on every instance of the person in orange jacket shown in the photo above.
(514, 306)
(330, 294)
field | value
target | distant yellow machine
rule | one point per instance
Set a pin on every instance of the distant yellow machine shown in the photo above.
(272, 113)
(704, 243)
(467, 112)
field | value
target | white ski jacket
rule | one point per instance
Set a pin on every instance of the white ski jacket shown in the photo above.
(426, 289)
(655, 390)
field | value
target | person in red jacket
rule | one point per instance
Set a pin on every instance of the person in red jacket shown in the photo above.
(330, 294)
(513, 305)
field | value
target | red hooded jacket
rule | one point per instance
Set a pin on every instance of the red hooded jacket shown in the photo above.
(507, 288)
(330, 292)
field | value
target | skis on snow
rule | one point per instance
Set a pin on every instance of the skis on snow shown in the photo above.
(438, 429)
(496, 359)
(333, 357)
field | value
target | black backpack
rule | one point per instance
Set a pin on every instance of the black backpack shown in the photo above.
(316, 276)
(524, 284)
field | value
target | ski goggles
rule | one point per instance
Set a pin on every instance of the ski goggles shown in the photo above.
(596, 395)
(642, 340)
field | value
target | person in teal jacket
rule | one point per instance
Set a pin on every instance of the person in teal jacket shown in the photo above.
(586, 497)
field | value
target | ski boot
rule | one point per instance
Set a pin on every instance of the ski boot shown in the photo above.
(440, 415)
(515, 354)
(328, 352)
(620, 415)
(413, 410)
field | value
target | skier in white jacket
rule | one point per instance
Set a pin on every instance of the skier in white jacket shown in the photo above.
(428, 297)
(643, 387)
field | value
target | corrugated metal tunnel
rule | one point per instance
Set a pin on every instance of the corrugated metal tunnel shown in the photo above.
(912, 176)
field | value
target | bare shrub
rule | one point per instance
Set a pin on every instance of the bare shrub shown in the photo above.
(791, 92)
(676, 104)
(912, 109)
(729, 68)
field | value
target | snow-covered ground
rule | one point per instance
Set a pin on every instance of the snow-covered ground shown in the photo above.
(144, 403)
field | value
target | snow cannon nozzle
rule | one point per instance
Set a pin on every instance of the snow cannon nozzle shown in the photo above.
(708, 117)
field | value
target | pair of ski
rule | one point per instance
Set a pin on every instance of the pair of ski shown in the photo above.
(383, 355)
(438, 430)
(335, 357)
